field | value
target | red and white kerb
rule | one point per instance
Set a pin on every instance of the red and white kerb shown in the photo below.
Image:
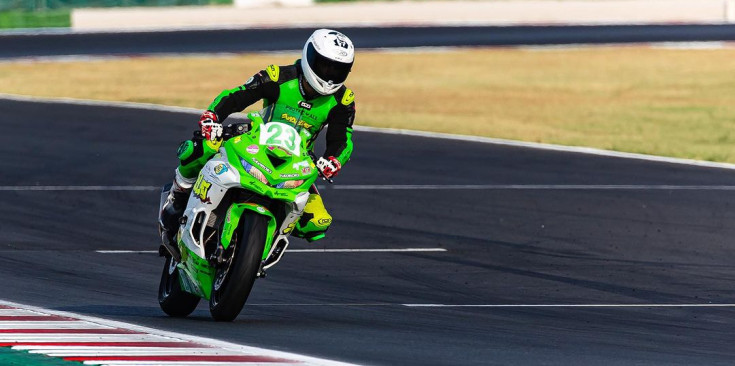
(94, 341)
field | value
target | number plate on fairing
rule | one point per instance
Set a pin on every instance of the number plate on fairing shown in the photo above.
(281, 135)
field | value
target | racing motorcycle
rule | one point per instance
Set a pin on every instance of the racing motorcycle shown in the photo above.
(241, 210)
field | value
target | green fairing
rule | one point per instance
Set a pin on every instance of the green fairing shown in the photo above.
(240, 151)
(198, 268)
(237, 147)
(234, 214)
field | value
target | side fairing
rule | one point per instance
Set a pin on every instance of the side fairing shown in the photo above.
(214, 180)
(217, 176)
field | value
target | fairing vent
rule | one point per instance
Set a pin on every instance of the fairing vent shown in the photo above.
(276, 161)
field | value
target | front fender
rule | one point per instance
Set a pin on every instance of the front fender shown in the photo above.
(232, 220)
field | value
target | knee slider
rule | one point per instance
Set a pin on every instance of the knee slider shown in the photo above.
(185, 150)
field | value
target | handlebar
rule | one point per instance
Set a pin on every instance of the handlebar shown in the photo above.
(234, 129)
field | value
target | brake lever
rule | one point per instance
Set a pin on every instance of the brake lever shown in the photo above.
(324, 177)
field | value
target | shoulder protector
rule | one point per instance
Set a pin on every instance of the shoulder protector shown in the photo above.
(273, 72)
(345, 95)
(349, 97)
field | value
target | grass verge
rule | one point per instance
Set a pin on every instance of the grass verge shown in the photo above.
(655, 101)
(34, 19)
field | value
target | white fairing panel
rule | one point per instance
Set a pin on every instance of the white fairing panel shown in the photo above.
(214, 180)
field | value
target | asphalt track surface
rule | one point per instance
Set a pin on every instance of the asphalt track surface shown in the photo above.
(504, 246)
(18, 45)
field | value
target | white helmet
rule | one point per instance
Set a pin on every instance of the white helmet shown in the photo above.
(327, 59)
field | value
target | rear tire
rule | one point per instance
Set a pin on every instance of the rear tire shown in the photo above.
(232, 283)
(173, 300)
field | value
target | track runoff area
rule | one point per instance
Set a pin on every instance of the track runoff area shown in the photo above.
(500, 232)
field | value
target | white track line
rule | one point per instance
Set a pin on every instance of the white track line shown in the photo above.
(393, 131)
(506, 305)
(368, 250)
(535, 187)
(127, 251)
(569, 305)
(367, 187)
(79, 188)
(512, 305)
(387, 250)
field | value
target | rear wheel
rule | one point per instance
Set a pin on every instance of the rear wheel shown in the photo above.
(173, 300)
(234, 279)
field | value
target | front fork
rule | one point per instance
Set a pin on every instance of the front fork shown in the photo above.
(276, 239)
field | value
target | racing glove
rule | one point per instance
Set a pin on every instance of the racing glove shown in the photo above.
(210, 126)
(329, 166)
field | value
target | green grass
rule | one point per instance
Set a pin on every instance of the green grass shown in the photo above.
(34, 19)
(636, 99)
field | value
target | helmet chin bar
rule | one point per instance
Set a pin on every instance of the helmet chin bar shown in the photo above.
(322, 87)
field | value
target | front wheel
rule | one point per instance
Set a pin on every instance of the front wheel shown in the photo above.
(173, 300)
(234, 279)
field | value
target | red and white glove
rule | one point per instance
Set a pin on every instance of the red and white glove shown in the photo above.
(210, 126)
(329, 166)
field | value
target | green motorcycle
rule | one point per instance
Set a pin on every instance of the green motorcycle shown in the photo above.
(236, 225)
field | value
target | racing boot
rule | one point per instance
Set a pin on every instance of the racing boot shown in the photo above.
(172, 210)
(314, 222)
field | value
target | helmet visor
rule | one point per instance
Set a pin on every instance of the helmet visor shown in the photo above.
(325, 68)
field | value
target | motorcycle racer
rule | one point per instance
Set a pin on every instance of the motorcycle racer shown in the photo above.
(309, 94)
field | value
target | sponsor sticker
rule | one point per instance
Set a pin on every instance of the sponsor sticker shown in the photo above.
(306, 170)
(220, 169)
(324, 221)
(260, 209)
(289, 175)
(305, 105)
(252, 149)
(201, 189)
(267, 169)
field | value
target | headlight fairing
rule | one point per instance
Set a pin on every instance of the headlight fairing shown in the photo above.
(258, 174)
(254, 172)
(290, 184)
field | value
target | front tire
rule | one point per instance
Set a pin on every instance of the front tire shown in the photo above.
(234, 279)
(173, 300)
